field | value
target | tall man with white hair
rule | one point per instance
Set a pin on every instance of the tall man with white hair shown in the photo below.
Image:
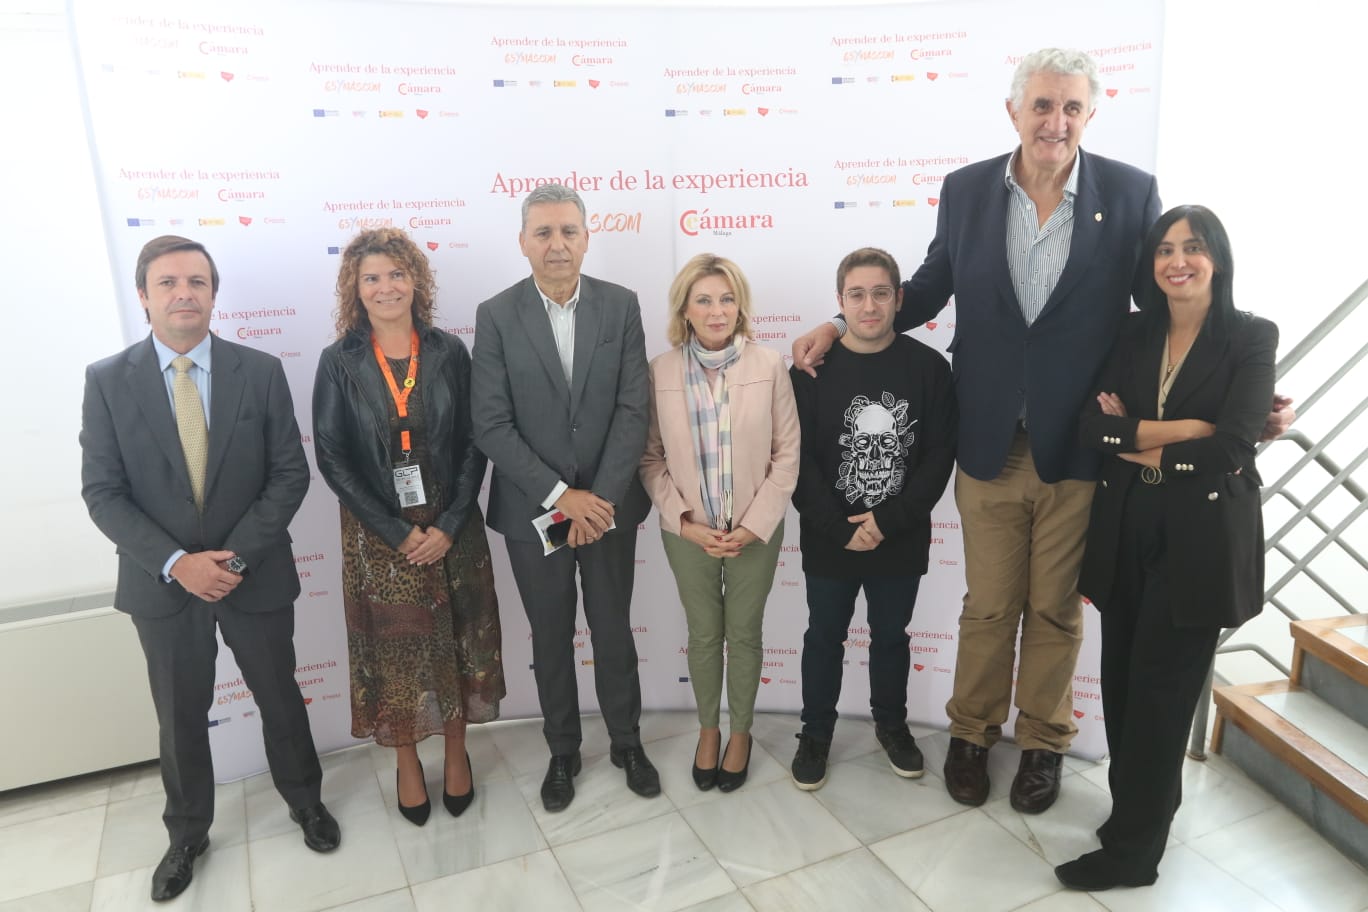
(1040, 249)
(559, 399)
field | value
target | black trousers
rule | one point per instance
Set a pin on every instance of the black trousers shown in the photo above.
(1153, 671)
(180, 652)
(607, 570)
(831, 604)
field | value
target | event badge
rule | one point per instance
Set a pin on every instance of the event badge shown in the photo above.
(408, 484)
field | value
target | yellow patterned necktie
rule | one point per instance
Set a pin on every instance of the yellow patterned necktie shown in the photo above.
(194, 435)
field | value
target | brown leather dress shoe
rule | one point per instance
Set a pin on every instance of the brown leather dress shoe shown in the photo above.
(966, 772)
(1036, 785)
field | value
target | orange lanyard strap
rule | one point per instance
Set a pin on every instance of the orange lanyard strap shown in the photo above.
(400, 398)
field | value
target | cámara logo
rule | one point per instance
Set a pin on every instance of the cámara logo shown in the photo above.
(692, 222)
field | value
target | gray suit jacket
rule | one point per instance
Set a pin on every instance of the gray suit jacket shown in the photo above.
(137, 489)
(536, 428)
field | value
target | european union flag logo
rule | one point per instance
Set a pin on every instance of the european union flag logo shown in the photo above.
(319, 112)
(334, 251)
(842, 80)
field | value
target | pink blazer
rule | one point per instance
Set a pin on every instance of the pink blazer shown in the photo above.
(764, 423)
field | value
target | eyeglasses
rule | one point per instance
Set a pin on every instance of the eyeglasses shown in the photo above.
(881, 294)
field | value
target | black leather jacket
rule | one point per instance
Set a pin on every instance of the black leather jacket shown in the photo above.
(351, 406)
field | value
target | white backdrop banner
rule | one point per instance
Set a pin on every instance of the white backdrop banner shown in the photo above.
(780, 138)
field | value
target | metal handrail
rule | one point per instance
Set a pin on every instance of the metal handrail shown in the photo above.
(1313, 452)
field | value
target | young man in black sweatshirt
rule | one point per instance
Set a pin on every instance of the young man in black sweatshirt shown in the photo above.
(878, 427)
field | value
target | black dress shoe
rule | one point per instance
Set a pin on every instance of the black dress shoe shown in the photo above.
(418, 814)
(727, 781)
(558, 788)
(705, 778)
(966, 772)
(321, 832)
(642, 777)
(456, 804)
(176, 869)
(1036, 785)
(1097, 871)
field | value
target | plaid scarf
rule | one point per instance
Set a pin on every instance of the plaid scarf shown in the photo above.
(710, 422)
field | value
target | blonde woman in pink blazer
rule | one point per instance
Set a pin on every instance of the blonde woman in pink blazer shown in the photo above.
(721, 462)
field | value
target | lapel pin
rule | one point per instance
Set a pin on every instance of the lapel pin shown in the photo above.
(1097, 216)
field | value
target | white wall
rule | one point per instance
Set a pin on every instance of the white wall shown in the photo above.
(1257, 121)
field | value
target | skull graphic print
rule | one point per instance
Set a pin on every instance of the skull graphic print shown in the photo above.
(878, 438)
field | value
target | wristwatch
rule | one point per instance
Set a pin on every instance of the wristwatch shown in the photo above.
(237, 565)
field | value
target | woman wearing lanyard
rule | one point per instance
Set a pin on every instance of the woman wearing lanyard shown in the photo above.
(720, 464)
(392, 433)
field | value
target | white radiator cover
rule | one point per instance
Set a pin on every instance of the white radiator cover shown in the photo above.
(75, 695)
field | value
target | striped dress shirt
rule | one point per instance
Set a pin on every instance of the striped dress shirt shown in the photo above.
(1036, 253)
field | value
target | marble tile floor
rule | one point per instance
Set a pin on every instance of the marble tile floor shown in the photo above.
(866, 841)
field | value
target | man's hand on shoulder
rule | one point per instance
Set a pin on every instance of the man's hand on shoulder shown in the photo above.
(1279, 419)
(201, 575)
(809, 350)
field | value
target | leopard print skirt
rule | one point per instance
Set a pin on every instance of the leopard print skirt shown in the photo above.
(424, 642)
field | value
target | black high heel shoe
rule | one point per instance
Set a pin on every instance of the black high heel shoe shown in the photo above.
(728, 781)
(705, 778)
(418, 814)
(456, 804)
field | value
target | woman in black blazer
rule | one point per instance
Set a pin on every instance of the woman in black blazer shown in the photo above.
(1175, 541)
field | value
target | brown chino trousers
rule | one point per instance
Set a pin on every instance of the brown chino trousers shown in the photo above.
(1023, 544)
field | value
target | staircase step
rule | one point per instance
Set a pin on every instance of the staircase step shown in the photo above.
(1303, 750)
(1331, 660)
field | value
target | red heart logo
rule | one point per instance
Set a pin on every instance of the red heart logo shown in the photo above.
(932, 76)
(422, 113)
(1078, 713)
(930, 324)
(1111, 93)
(933, 200)
(762, 111)
(227, 77)
(308, 700)
(433, 245)
(765, 680)
(242, 219)
(593, 83)
(919, 667)
(1086, 600)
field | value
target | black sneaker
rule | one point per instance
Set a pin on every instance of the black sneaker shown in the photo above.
(903, 754)
(809, 766)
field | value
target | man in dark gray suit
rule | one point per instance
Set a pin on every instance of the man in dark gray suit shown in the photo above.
(559, 396)
(192, 465)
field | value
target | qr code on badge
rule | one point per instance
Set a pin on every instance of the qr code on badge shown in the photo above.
(411, 498)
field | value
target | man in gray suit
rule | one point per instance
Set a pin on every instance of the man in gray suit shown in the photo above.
(192, 465)
(559, 397)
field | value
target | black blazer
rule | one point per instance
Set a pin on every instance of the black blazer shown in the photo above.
(351, 409)
(137, 488)
(1213, 517)
(999, 362)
